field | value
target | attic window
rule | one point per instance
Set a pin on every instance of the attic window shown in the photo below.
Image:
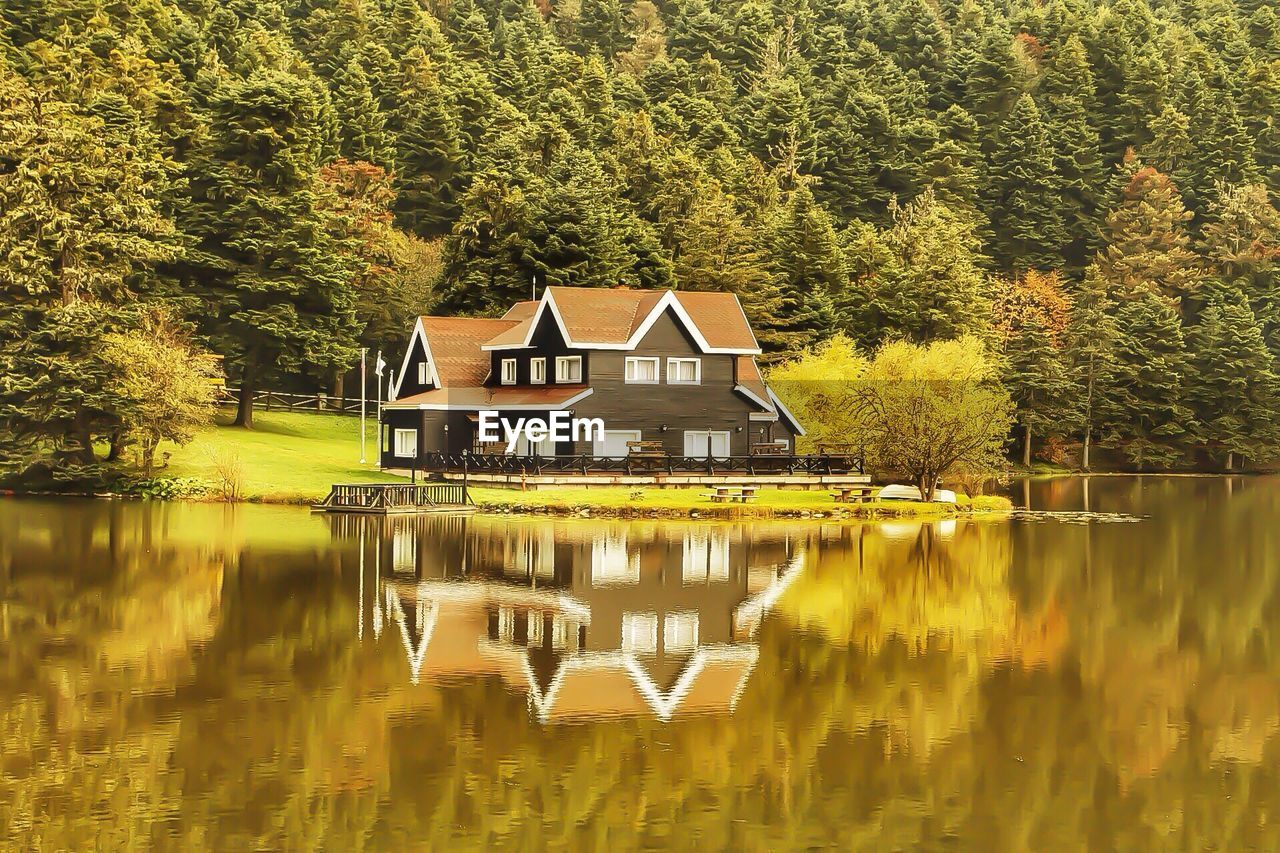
(423, 372)
(508, 371)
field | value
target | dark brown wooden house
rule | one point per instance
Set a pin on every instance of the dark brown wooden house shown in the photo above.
(674, 369)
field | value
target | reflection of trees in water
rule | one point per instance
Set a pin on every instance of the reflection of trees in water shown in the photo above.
(1027, 687)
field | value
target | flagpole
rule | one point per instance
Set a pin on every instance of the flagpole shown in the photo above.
(363, 394)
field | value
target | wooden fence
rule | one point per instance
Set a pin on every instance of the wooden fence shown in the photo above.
(283, 401)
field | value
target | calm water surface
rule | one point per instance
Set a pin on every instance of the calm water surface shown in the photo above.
(191, 677)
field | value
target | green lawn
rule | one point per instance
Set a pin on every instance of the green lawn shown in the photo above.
(287, 457)
(640, 500)
(294, 457)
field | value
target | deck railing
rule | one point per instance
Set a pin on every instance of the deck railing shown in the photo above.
(494, 463)
(390, 496)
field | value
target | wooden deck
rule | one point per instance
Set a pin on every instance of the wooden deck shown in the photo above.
(396, 498)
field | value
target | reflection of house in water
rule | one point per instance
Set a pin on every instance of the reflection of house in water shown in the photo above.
(591, 619)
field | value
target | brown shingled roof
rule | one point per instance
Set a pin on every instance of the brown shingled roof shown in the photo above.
(455, 347)
(600, 316)
(747, 375)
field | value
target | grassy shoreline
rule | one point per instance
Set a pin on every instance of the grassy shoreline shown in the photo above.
(294, 457)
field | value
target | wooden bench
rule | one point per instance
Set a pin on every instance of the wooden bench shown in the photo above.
(769, 449)
(646, 449)
(854, 494)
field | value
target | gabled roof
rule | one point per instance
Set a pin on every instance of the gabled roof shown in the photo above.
(617, 318)
(749, 383)
(453, 344)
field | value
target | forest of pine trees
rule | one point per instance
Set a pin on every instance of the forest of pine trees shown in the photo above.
(1088, 184)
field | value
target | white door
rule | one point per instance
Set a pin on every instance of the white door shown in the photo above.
(524, 447)
(614, 443)
(701, 443)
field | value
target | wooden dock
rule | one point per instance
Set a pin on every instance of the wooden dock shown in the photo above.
(396, 498)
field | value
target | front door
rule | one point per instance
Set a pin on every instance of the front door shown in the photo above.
(614, 443)
(699, 444)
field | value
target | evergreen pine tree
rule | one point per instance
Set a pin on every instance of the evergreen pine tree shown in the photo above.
(808, 274)
(429, 156)
(1233, 388)
(1023, 202)
(362, 133)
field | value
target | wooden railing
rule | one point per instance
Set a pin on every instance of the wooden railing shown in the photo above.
(392, 496)
(493, 463)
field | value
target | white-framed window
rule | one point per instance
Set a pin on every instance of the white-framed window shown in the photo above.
(423, 372)
(538, 371)
(508, 371)
(568, 368)
(640, 633)
(680, 632)
(641, 371)
(706, 556)
(684, 371)
(406, 442)
(784, 443)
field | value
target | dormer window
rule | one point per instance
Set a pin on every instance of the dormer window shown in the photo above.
(569, 368)
(641, 371)
(538, 371)
(508, 371)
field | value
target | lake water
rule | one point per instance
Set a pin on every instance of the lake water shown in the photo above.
(191, 677)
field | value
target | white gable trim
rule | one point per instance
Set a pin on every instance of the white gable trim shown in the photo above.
(497, 407)
(668, 300)
(786, 413)
(419, 334)
(754, 397)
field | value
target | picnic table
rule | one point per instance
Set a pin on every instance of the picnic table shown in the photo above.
(732, 494)
(853, 494)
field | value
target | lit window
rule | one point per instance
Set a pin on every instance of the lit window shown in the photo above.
(406, 442)
(538, 371)
(684, 371)
(642, 370)
(508, 371)
(640, 633)
(680, 632)
(569, 368)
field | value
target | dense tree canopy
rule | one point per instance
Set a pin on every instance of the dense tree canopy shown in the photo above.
(871, 167)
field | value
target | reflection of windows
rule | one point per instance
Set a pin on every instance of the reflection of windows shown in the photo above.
(564, 634)
(680, 632)
(610, 562)
(506, 624)
(535, 628)
(640, 632)
(403, 556)
(706, 556)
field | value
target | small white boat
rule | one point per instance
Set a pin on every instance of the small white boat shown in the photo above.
(911, 493)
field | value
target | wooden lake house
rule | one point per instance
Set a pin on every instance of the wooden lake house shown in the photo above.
(672, 376)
